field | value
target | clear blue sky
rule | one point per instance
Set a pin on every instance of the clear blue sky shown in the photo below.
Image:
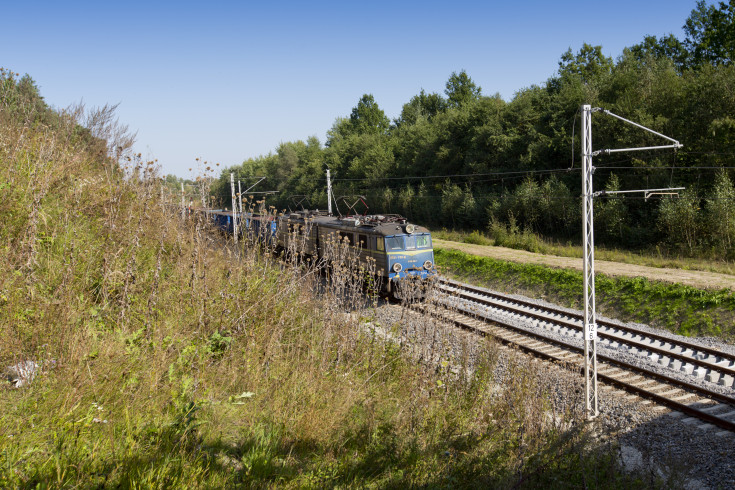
(230, 80)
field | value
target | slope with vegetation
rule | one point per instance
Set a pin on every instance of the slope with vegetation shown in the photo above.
(465, 160)
(166, 357)
(667, 304)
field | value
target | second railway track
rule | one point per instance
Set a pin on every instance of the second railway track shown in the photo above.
(555, 334)
(713, 365)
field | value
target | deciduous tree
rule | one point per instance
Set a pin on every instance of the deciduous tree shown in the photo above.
(460, 89)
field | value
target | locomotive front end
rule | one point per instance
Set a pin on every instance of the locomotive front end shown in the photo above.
(410, 255)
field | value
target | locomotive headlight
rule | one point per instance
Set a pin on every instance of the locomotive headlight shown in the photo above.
(428, 265)
(397, 267)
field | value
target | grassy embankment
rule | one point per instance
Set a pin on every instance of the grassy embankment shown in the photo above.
(501, 236)
(170, 360)
(680, 309)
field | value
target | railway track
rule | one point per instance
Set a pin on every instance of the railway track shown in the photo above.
(555, 335)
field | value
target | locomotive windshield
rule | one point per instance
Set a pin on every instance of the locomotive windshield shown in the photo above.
(407, 242)
(393, 243)
(418, 241)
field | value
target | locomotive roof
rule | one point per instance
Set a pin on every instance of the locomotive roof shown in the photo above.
(390, 224)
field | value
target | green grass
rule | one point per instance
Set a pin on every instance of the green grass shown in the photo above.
(531, 242)
(680, 309)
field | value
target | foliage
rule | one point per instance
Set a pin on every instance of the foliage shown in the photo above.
(720, 209)
(611, 216)
(421, 106)
(461, 90)
(368, 118)
(667, 47)
(589, 65)
(710, 36)
(464, 159)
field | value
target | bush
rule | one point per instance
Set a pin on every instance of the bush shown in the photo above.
(510, 236)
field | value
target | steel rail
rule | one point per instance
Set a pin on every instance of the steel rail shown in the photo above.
(564, 323)
(680, 343)
(662, 400)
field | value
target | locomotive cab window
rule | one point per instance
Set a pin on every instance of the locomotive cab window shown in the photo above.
(362, 241)
(394, 243)
(411, 242)
(423, 241)
(349, 237)
(379, 244)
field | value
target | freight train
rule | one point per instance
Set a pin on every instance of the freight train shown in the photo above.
(396, 250)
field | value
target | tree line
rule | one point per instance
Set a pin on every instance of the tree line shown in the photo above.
(466, 160)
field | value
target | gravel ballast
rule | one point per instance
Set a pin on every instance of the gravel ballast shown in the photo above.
(652, 440)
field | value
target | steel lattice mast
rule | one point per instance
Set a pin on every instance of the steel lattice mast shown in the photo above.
(590, 321)
(590, 324)
(234, 206)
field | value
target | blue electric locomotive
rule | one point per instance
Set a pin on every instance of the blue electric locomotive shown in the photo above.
(388, 244)
(396, 248)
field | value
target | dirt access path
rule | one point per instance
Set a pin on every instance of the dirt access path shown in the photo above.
(697, 279)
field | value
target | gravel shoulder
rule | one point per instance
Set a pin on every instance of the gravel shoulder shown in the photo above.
(697, 279)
